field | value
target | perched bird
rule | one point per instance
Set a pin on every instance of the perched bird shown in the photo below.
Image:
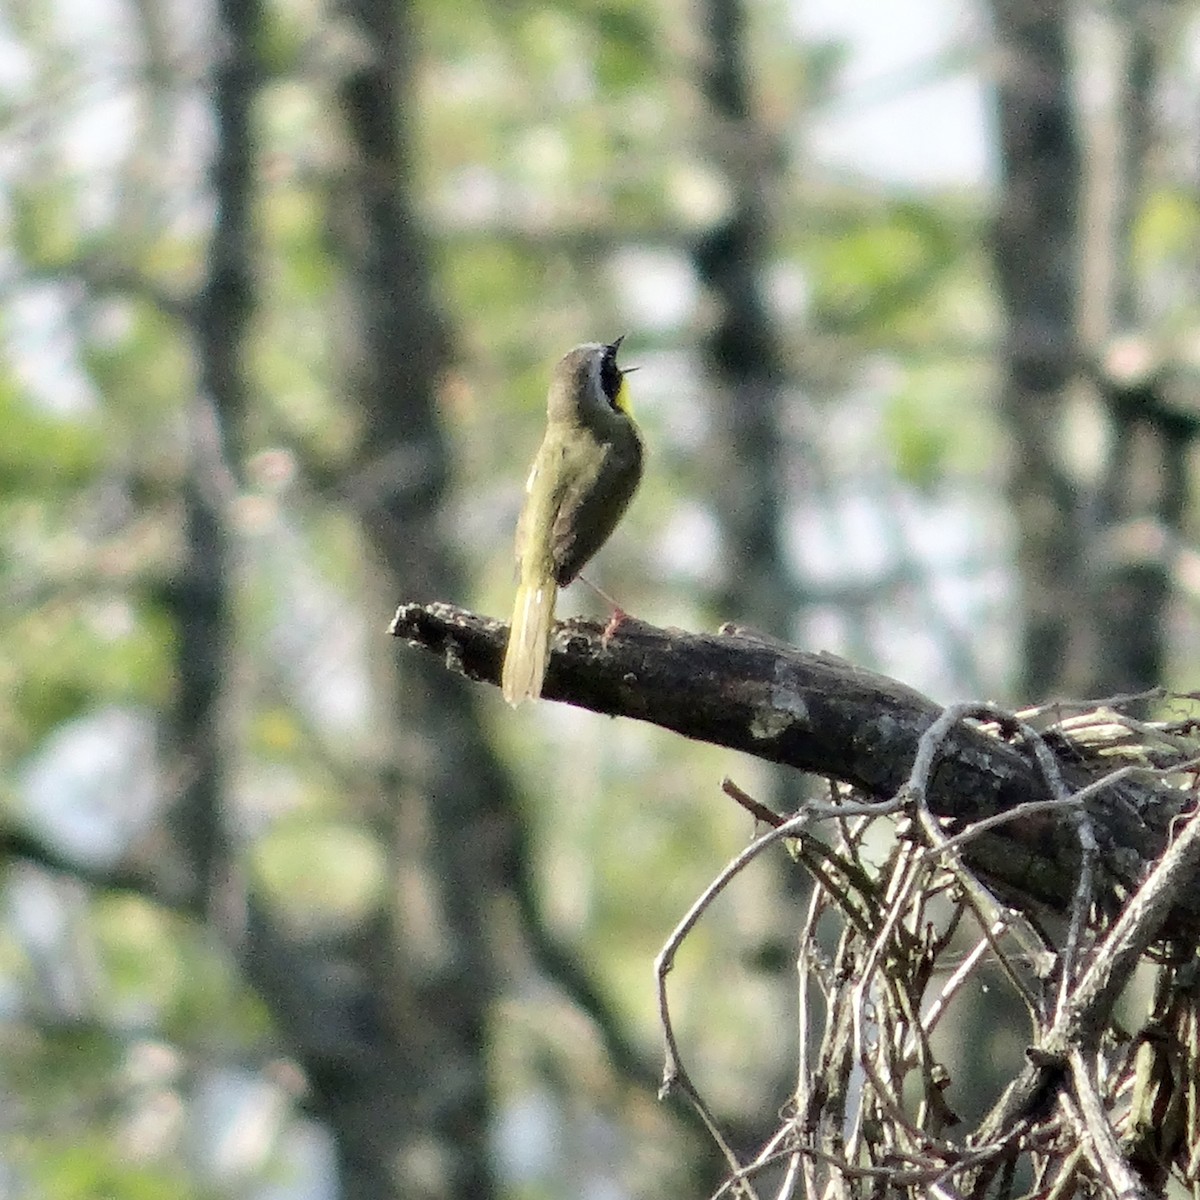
(585, 473)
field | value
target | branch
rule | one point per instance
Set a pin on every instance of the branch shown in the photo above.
(820, 714)
(121, 877)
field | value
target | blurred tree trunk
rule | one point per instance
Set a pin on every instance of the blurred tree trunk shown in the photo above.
(1142, 483)
(414, 1119)
(389, 1021)
(744, 362)
(1036, 261)
(1097, 476)
(746, 375)
(201, 598)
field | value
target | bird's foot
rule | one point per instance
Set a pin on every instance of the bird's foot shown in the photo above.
(618, 618)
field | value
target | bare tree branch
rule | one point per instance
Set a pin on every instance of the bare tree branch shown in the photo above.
(820, 714)
(122, 877)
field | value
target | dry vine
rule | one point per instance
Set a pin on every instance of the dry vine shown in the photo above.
(1095, 1110)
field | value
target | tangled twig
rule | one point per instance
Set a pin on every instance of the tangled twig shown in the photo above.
(872, 1102)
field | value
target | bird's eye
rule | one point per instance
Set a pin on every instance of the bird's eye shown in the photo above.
(610, 374)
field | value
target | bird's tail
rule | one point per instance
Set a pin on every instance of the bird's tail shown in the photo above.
(529, 642)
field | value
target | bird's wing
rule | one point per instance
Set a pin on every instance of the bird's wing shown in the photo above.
(525, 518)
(538, 513)
(591, 505)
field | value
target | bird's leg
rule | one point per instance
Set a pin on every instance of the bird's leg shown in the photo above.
(618, 613)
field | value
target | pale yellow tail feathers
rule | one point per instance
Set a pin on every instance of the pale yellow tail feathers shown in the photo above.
(528, 642)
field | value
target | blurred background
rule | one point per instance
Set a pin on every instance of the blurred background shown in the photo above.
(290, 912)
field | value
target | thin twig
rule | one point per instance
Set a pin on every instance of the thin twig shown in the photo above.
(1081, 903)
(674, 1073)
(1099, 1134)
(758, 810)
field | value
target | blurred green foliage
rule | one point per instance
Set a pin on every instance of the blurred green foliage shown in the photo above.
(548, 138)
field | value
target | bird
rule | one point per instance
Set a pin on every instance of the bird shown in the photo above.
(582, 480)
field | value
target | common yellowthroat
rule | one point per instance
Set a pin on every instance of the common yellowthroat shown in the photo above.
(585, 473)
